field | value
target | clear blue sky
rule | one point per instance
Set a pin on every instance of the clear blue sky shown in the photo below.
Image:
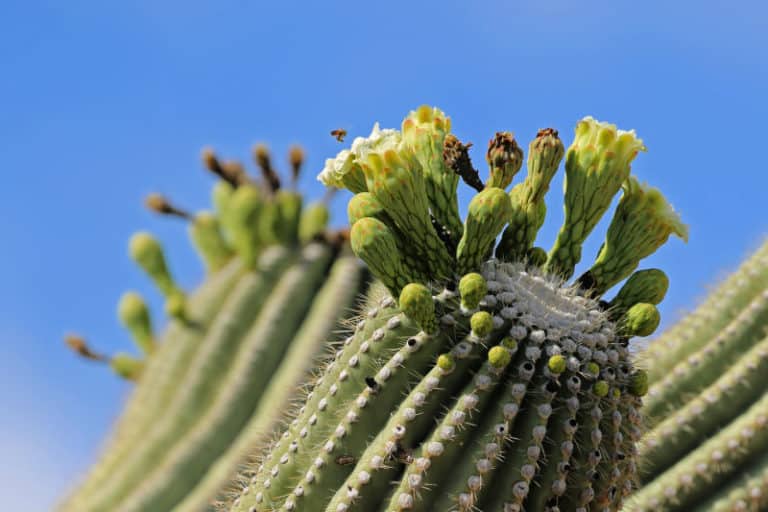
(102, 102)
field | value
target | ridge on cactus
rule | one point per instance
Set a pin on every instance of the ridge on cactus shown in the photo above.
(213, 385)
(485, 380)
(708, 412)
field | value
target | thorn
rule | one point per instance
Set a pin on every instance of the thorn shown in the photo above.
(159, 204)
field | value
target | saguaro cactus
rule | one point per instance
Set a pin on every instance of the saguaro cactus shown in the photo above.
(709, 409)
(234, 352)
(479, 383)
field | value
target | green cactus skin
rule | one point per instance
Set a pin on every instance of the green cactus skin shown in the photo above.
(720, 307)
(204, 397)
(519, 391)
(705, 450)
(698, 370)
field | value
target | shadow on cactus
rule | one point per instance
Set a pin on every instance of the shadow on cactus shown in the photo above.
(486, 380)
(214, 385)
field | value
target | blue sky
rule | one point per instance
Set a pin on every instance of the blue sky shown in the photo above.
(103, 102)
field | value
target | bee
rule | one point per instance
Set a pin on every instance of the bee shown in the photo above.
(345, 460)
(339, 134)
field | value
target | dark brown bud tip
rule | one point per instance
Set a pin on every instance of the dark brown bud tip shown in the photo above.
(78, 345)
(264, 162)
(296, 158)
(212, 163)
(456, 157)
(546, 132)
(159, 204)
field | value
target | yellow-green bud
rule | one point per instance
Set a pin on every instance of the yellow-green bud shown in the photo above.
(207, 237)
(175, 306)
(417, 303)
(499, 357)
(639, 383)
(127, 366)
(445, 362)
(314, 220)
(641, 320)
(148, 253)
(601, 388)
(557, 364)
(472, 289)
(481, 323)
(134, 315)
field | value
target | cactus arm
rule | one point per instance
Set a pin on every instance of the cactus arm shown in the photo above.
(716, 405)
(375, 338)
(748, 492)
(333, 301)
(257, 356)
(203, 377)
(158, 384)
(705, 366)
(418, 481)
(713, 315)
(704, 469)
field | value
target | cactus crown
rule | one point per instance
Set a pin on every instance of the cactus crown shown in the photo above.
(481, 383)
(250, 216)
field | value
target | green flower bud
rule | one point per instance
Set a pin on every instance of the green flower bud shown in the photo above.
(536, 256)
(205, 233)
(489, 211)
(416, 302)
(648, 285)
(601, 388)
(314, 220)
(504, 158)
(596, 165)
(445, 362)
(499, 357)
(175, 306)
(374, 243)
(148, 253)
(472, 289)
(424, 131)
(639, 383)
(134, 315)
(641, 320)
(481, 324)
(557, 364)
(642, 223)
(362, 205)
(127, 366)
(243, 219)
(399, 187)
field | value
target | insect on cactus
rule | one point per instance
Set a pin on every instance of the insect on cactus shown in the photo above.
(485, 380)
(214, 384)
